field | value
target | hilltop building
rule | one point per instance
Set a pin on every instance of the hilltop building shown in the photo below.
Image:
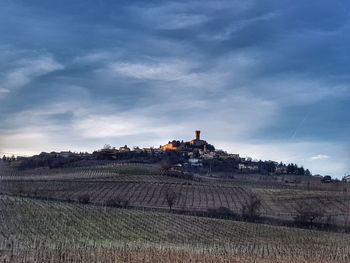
(346, 179)
(196, 143)
(125, 148)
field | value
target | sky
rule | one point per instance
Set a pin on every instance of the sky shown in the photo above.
(266, 79)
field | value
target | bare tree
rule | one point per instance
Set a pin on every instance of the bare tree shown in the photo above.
(307, 214)
(170, 197)
(251, 208)
(165, 166)
(107, 147)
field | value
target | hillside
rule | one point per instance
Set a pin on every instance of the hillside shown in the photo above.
(143, 186)
(64, 231)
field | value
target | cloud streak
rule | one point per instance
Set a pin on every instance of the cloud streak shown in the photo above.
(319, 157)
(26, 70)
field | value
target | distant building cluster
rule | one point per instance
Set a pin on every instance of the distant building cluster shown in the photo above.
(197, 150)
(346, 178)
(195, 144)
(195, 155)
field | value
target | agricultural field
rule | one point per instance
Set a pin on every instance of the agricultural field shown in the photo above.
(144, 186)
(50, 231)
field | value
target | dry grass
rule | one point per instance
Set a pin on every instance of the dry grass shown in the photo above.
(150, 255)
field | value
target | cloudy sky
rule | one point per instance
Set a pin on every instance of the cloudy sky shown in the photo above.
(266, 79)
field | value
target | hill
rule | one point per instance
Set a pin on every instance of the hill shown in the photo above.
(83, 233)
(145, 187)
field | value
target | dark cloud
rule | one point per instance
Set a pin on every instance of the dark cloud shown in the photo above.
(253, 71)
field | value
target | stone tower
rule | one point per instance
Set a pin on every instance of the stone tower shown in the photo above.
(198, 135)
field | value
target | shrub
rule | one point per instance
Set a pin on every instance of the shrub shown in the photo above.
(221, 212)
(84, 199)
(118, 201)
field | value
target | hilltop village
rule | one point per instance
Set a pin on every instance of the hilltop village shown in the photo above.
(195, 155)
